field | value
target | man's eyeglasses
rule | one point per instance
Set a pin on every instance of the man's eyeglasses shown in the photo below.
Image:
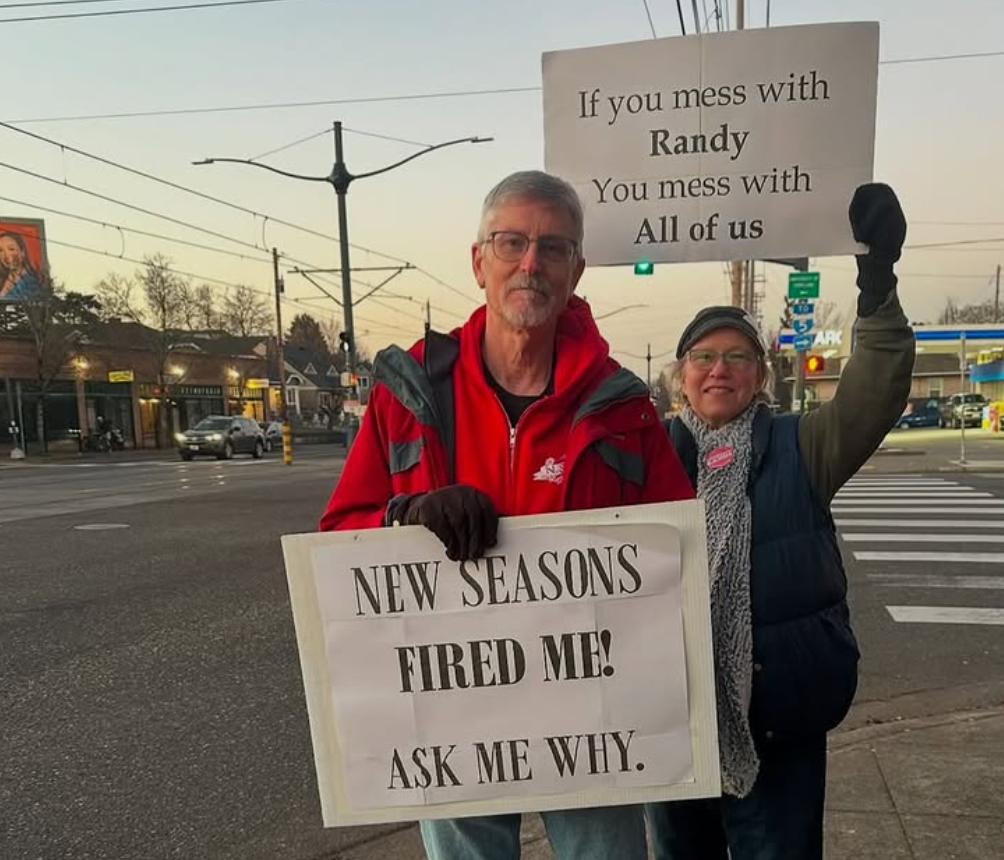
(707, 358)
(510, 246)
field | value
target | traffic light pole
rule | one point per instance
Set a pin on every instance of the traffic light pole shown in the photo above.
(800, 380)
(280, 346)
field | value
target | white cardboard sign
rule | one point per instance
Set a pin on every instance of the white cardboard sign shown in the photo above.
(740, 145)
(572, 666)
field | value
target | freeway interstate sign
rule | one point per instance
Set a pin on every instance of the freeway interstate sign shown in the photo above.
(803, 342)
(803, 285)
(802, 309)
(802, 325)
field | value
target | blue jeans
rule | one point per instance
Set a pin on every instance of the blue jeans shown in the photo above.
(607, 833)
(780, 819)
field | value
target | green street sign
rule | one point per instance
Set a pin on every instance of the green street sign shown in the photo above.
(803, 285)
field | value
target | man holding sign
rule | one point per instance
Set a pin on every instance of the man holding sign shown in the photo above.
(520, 411)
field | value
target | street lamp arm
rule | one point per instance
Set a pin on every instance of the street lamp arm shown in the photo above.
(422, 152)
(263, 167)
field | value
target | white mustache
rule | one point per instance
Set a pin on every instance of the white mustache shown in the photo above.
(524, 281)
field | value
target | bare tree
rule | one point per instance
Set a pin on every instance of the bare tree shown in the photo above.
(56, 321)
(199, 308)
(160, 313)
(245, 312)
(981, 312)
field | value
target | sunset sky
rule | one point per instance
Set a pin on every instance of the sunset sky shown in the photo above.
(422, 74)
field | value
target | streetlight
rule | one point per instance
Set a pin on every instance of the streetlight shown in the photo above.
(340, 179)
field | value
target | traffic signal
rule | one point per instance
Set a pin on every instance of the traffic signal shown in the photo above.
(346, 341)
(644, 267)
(814, 364)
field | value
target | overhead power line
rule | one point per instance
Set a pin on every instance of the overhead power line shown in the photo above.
(446, 94)
(286, 146)
(106, 13)
(138, 232)
(648, 12)
(283, 105)
(227, 203)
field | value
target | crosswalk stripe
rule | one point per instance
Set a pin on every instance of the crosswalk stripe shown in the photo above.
(854, 509)
(946, 614)
(918, 580)
(869, 484)
(989, 503)
(880, 537)
(958, 557)
(923, 494)
(967, 523)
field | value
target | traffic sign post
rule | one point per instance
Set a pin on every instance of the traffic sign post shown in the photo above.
(803, 285)
(803, 342)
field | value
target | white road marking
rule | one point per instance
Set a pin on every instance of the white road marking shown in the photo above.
(918, 580)
(886, 537)
(990, 503)
(842, 509)
(946, 615)
(958, 557)
(100, 527)
(967, 523)
(922, 494)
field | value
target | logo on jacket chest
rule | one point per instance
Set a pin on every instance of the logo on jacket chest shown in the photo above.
(553, 471)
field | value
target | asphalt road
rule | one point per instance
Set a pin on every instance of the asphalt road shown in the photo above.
(150, 689)
(925, 563)
(151, 696)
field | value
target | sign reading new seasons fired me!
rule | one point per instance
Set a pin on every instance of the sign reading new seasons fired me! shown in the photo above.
(738, 145)
(570, 666)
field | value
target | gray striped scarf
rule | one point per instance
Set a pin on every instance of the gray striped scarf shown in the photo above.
(730, 536)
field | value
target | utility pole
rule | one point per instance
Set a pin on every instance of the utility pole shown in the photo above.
(340, 179)
(962, 389)
(737, 265)
(997, 295)
(280, 348)
(648, 359)
(428, 315)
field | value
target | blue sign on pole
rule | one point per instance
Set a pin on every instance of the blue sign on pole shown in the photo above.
(802, 325)
(802, 308)
(803, 342)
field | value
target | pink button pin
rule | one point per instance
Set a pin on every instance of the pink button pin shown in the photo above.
(720, 457)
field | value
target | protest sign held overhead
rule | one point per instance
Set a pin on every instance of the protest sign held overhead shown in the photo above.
(571, 666)
(737, 145)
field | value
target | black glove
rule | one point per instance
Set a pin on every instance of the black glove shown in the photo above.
(462, 517)
(878, 222)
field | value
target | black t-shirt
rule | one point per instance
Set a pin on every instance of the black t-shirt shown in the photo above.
(516, 404)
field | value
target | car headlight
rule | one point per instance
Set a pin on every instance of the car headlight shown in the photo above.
(179, 437)
(215, 437)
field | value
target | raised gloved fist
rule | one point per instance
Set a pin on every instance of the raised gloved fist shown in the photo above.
(877, 221)
(462, 517)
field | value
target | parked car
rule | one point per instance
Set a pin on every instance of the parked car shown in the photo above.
(222, 436)
(273, 434)
(963, 408)
(921, 412)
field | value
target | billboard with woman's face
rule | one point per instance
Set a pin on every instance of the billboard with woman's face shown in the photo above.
(23, 264)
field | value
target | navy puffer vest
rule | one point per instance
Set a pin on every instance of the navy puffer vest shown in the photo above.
(805, 656)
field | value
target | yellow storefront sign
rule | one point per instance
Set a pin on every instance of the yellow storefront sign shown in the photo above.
(120, 376)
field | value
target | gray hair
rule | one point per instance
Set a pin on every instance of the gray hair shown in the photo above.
(765, 374)
(538, 186)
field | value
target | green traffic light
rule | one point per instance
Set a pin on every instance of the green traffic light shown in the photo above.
(644, 267)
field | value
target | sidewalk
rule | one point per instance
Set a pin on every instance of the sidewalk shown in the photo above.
(924, 451)
(915, 778)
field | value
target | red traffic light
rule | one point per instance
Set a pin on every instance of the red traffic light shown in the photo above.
(815, 364)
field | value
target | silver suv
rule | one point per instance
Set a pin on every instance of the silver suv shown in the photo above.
(962, 409)
(222, 436)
